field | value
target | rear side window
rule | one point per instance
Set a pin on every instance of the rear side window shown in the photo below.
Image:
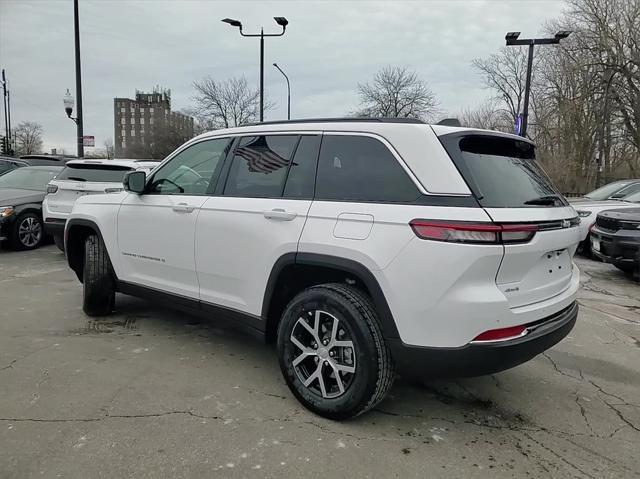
(361, 168)
(503, 172)
(94, 173)
(259, 166)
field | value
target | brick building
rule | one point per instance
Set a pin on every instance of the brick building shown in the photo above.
(146, 127)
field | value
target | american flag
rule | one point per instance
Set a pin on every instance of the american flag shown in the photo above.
(260, 158)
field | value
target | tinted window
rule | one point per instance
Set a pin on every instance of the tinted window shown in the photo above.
(629, 190)
(28, 178)
(259, 167)
(94, 173)
(302, 172)
(6, 166)
(503, 172)
(191, 171)
(360, 168)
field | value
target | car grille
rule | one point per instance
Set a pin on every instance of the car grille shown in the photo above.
(609, 224)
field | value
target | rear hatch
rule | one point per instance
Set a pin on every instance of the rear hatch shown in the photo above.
(79, 179)
(503, 174)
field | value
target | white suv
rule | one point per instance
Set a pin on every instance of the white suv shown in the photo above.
(362, 247)
(84, 177)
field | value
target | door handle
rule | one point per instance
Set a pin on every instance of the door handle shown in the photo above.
(183, 208)
(280, 214)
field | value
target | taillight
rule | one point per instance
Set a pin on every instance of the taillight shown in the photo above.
(474, 233)
(503, 334)
(51, 189)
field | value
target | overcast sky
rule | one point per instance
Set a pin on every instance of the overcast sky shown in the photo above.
(329, 46)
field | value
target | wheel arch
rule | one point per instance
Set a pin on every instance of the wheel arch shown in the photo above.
(294, 272)
(76, 232)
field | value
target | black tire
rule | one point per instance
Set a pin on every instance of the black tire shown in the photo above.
(99, 287)
(59, 241)
(28, 232)
(373, 370)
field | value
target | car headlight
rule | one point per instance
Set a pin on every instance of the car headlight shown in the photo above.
(584, 214)
(6, 211)
(51, 189)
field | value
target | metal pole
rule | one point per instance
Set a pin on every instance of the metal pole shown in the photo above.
(80, 134)
(261, 75)
(4, 100)
(527, 90)
(9, 118)
(288, 90)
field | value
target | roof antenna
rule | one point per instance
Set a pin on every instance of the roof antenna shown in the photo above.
(449, 122)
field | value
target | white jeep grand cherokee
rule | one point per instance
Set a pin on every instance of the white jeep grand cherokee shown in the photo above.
(362, 247)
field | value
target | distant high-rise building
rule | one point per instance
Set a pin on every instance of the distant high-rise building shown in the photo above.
(146, 127)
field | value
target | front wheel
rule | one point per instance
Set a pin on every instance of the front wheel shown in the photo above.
(98, 283)
(27, 232)
(332, 353)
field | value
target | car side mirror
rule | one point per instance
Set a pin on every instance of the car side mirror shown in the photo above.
(135, 181)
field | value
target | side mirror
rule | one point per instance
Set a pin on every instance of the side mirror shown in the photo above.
(135, 181)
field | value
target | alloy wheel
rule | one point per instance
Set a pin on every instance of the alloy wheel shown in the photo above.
(29, 232)
(326, 363)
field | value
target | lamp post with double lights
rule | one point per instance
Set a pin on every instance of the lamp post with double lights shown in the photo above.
(288, 91)
(513, 40)
(283, 22)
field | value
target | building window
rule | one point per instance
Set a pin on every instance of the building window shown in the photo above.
(151, 110)
(133, 132)
(123, 133)
(124, 144)
(123, 121)
(151, 120)
(141, 109)
(142, 121)
(122, 110)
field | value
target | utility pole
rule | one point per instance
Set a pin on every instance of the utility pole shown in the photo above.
(512, 40)
(6, 113)
(80, 131)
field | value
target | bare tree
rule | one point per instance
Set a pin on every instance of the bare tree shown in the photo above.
(109, 148)
(28, 137)
(225, 104)
(396, 92)
(487, 116)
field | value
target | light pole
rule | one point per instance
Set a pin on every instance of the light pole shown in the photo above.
(283, 22)
(512, 40)
(288, 91)
(78, 119)
(7, 114)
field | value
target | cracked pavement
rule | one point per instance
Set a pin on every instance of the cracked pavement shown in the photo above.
(150, 392)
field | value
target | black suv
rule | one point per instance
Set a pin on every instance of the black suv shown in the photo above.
(615, 239)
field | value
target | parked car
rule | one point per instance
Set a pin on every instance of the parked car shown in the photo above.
(21, 193)
(615, 239)
(361, 247)
(84, 177)
(8, 164)
(46, 160)
(588, 211)
(611, 191)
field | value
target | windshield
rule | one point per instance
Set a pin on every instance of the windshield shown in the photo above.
(606, 191)
(503, 172)
(28, 178)
(94, 173)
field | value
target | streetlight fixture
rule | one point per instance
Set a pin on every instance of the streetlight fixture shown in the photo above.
(283, 22)
(288, 91)
(512, 39)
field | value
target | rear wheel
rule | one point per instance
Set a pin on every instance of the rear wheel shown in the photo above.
(332, 353)
(99, 288)
(27, 232)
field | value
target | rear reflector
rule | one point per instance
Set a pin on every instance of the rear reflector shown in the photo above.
(475, 233)
(501, 334)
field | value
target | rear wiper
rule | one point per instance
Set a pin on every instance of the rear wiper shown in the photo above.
(543, 200)
(76, 178)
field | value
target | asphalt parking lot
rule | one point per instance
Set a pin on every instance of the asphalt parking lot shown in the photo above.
(150, 392)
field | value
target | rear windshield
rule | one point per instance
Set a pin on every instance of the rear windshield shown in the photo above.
(94, 173)
(502, 172)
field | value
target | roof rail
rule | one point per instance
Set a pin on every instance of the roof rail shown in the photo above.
(335, 120)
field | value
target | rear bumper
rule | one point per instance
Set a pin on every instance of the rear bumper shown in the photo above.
(422, 363)
(54, 226)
